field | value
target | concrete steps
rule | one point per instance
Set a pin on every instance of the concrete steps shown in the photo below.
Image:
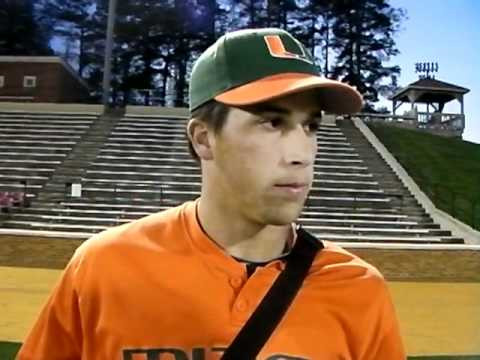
(74, 166)
(33, 146)
(137, 165)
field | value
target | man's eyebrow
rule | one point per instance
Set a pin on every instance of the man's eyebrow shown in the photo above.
(264, 108)
(271, 108)
(316, 114)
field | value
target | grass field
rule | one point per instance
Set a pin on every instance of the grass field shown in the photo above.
(8, 351)
(447, 170)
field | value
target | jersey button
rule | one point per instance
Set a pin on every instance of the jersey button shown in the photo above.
(241, 305)
(236, 282)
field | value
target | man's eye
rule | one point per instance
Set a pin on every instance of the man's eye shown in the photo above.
(274, 123)
(312, 126)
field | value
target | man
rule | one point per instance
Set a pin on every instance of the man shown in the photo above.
(180, 284)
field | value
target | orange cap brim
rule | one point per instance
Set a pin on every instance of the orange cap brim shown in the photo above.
(333, 96)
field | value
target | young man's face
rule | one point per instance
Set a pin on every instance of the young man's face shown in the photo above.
(263, 159)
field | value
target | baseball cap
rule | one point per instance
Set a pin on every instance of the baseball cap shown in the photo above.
(251, 66)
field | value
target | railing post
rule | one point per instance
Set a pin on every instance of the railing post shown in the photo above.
(25, 189)
(161, 195)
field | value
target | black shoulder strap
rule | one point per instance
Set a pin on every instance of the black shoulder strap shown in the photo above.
(259, 327)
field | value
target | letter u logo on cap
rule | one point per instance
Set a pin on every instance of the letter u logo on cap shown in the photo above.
(277, 49)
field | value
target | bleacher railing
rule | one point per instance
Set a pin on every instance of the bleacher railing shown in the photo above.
(117, 192)
(451, 124)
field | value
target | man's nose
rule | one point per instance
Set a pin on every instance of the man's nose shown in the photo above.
(299, 147)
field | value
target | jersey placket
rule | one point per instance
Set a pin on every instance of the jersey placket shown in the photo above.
(249, 292)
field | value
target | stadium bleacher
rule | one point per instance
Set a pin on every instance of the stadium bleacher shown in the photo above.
(141, 165)
(34, 145)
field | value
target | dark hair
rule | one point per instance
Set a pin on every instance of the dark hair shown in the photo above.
(213, 114)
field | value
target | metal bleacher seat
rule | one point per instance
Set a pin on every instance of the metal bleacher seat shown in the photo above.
(33, 145)
(144, 166)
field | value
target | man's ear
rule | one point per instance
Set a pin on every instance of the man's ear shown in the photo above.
(198, 134)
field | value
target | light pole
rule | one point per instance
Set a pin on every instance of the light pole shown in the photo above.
(107, 67)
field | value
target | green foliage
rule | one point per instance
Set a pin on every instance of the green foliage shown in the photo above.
(157, 41)
(363, 39)
(72, 21)
(20, 31)
(447, 170)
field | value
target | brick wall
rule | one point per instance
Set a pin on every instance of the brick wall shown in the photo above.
(424, 265)
(71, 90)
(54, 83)
(395, 265)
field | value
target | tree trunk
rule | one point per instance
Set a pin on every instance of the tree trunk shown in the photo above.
(358, 40)
(180, 83)
(163, 89)
(251, 10)
(351, 49)
(327, 44)
(312, 35)
(81, 55)
(284, 16)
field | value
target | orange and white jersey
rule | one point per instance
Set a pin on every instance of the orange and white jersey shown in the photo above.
(158, 288)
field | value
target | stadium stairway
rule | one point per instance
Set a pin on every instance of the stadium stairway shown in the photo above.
(33, 146)
(138, 164)
(75, 164)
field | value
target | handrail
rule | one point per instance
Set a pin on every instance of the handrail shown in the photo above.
(447, 124)
(117, 187)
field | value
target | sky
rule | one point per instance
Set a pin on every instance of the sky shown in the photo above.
(447, 32)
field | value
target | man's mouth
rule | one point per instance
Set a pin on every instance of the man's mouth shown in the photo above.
(294, 188)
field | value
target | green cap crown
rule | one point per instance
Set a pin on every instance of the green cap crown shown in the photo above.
(243, 56)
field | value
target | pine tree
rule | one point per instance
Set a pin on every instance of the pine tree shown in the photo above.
(157, 41)
(94, 48)
(323, 14)
(20, 32)
(71, 21)
(303, 23)
(363, 40)
(153, 46)
(277, 13)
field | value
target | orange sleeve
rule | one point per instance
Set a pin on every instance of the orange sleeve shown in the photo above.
(390, 346)
(57, 333)
(387, 342)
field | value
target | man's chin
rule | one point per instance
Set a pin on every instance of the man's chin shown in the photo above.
(283, 215)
